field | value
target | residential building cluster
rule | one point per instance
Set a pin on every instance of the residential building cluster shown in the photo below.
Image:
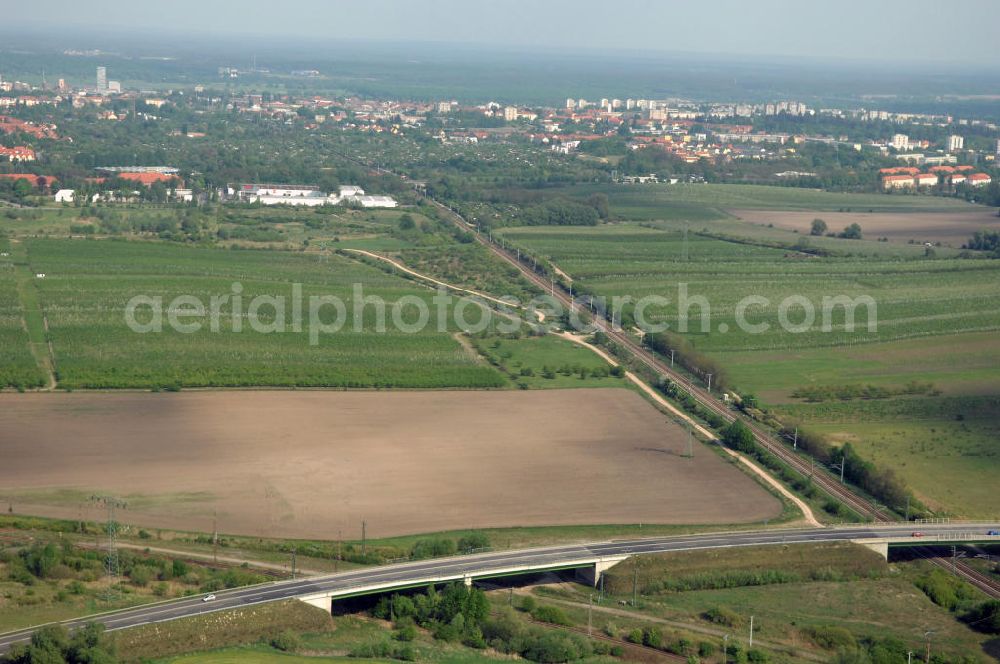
(11, 125)
(909, 177)
(17, 153)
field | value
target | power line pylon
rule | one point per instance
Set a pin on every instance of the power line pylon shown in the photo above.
(111, 567)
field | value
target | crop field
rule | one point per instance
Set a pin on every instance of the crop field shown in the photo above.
(914, 298)
(956, 364)
(935, 336)
(949, 227)
(17, 365)
(769, 235)
(703, 202)
(89, 283)
(312, 463)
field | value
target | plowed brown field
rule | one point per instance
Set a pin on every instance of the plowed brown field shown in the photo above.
(310, 463)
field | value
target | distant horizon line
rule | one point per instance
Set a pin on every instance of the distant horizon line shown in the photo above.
(71, 37)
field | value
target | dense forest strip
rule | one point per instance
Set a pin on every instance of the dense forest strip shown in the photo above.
(34, 318)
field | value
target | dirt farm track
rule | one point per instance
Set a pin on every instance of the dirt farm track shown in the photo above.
(310, 463)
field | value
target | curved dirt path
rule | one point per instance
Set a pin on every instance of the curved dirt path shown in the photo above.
(425, 277)
(807, 513)
(438, 282)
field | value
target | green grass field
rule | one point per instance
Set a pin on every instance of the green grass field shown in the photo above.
(349, 633)
(254, 656)
(945, 448)
(90, 281)
(864, 608)
(547, 362)
(224, 629)
(468, 266)
(330, 227)
(840, 587)
(41, 221)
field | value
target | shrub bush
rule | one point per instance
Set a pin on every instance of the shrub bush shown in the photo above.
(831, 637)
(286, 641)
(722, 616)
(550, 614)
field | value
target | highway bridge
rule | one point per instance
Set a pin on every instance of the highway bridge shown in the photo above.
(590, 559)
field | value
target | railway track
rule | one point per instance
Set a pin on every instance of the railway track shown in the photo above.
(963, 570)
(827, 483)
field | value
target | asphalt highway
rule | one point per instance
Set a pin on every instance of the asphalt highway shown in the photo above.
(483, 564)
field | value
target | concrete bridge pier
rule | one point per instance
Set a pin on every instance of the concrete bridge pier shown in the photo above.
(880, 546)
(324, 602)
(591, 575)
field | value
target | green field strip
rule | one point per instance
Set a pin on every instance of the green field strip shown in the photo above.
(34, 318)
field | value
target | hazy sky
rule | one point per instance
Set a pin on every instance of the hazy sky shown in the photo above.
(893, 29)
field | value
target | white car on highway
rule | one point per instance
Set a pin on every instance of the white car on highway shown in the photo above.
(208, 598)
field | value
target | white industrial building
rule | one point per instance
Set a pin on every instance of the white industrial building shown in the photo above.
(376, 201)
(293, 194)
(347, 191)
(281, 194)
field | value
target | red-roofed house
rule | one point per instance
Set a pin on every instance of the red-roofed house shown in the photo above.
(17, 153)
(898, 182)
(900, 170)
(979, 179)
(9, 125)
(927, 180)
